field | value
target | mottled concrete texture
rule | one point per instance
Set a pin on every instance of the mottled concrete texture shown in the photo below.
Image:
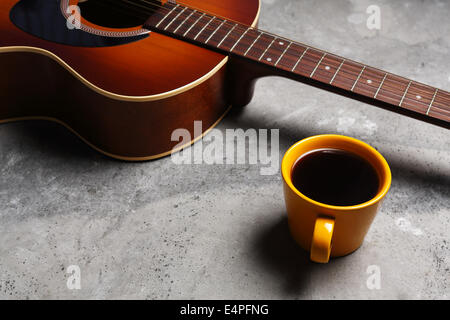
(159, 230)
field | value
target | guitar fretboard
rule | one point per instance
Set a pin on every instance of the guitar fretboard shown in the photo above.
(352, 77)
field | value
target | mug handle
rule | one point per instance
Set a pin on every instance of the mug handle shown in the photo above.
(321, 241)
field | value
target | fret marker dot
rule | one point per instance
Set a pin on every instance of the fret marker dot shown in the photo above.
(369, 81)
(418, 97)
(281, 43)
(269, 59)
(327, 68)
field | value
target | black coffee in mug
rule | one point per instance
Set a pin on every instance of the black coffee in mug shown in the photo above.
(335, 177)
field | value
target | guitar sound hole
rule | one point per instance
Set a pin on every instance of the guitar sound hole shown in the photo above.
(110, 14)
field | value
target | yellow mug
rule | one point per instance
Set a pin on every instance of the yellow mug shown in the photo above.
(327, 230)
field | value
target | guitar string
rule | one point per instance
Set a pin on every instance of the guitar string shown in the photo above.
(425, 105)
(419, 90)
(403, 96)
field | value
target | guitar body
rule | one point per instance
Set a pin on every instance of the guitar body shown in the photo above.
(122, 90)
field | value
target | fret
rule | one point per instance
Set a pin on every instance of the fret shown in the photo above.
(347, 75)
(240, 38)
(404, 95)
(189, 23)
(193, 25)
(419, 97)
(233, 37)
(284, 52)
(178, 21)
(179, 14)
(317, 66)
(359, 76)
(441, 106)
(369, 82)
(219, 36)
(266, 49)
(204, 27)
(214, 32)
(235, 25)
(260, 46)
(291, 56)
(309, 62)
(175, 31)
(242, 45)
(327, 68)
(417, 100)
(443, 98)
(432, 101)
(168, 14)
(260, 34)
(337, 71)
(300, 59)
(393, 89)
(379, 87)
(275, 50)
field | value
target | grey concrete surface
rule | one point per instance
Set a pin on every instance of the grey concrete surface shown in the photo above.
(158, 230)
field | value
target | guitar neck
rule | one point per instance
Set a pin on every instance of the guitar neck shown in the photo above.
(303, 63)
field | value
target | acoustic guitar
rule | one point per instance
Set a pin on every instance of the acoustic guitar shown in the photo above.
(124, 74)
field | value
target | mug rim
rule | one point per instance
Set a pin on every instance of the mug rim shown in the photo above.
(286, 173)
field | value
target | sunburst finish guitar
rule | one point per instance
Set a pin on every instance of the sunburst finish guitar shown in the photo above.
(124, 74)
